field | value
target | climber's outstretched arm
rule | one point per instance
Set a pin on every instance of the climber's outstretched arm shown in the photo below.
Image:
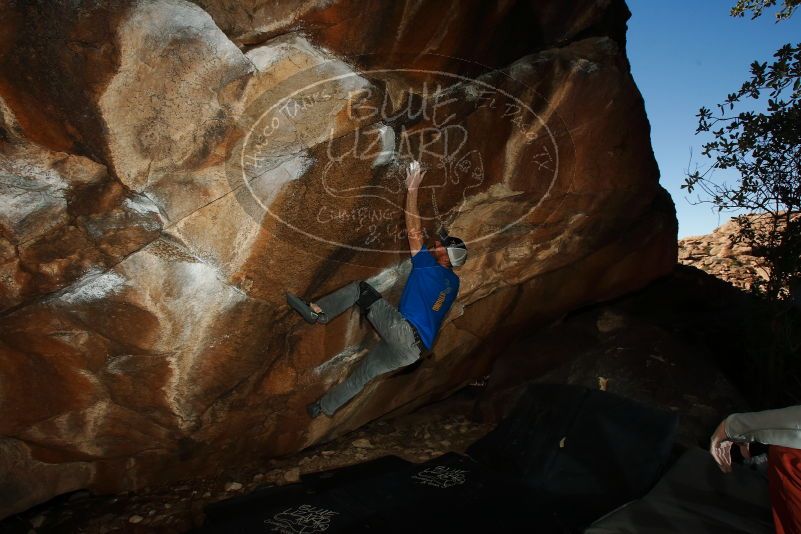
(413, 226)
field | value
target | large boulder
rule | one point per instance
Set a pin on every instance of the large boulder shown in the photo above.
(169, 169)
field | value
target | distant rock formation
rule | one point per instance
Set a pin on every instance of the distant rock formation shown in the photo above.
(715, 254)
(169, 168)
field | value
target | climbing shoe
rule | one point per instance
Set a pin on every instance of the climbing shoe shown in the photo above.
(302, 307)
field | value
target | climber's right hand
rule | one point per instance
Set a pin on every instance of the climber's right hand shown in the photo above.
(414, 176)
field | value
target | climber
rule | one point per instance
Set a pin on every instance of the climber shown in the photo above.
(406, 332)
(781, 431)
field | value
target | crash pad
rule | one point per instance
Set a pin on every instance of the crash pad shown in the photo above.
(587, 451)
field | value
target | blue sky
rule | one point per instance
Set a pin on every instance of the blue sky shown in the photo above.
(686, 54)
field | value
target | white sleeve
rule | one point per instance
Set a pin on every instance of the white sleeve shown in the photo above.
(771, 427)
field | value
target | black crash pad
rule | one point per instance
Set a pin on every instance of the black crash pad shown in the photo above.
(696, 496)
(563, 458)
(451, 493)
(587, 451)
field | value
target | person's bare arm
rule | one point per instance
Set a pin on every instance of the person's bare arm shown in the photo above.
(413, 226)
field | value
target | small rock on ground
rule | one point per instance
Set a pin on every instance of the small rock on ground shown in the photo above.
(233, 486)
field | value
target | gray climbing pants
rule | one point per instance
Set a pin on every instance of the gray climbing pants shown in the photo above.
(396, 349)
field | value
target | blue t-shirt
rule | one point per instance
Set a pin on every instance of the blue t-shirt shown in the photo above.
(428, 295)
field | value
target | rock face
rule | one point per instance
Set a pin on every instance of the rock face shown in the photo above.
(170, 168)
